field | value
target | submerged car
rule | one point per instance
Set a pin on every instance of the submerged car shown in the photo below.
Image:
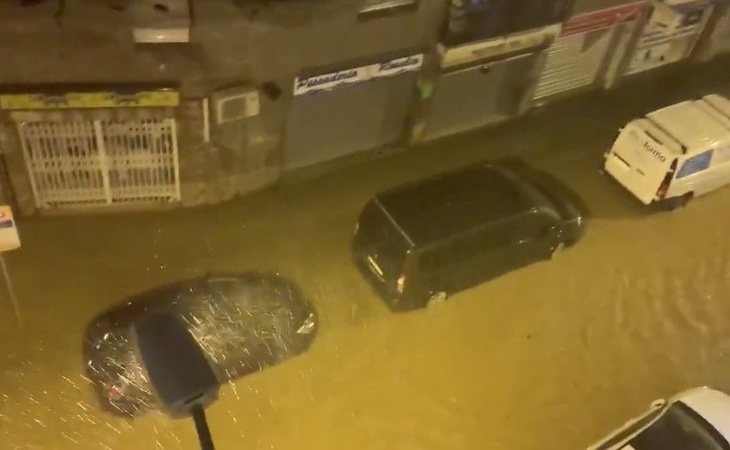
(243, 323)
(697, 419)
(424, 241)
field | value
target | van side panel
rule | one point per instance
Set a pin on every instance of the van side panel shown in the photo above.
(534, 236)
(702, 173)
(485, 253)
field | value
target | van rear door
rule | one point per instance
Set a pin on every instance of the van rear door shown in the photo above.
(639, 161)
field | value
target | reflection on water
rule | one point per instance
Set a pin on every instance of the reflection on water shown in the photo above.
(551, 356)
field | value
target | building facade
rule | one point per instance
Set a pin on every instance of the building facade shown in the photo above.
(108, 105)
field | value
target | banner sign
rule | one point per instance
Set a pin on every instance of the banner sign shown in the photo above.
(9, 239)
(604, 18)
(354, 75)
(107, 99)
(329, 80)
(397, 66)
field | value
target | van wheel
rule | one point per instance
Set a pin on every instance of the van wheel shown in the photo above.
(436, 299)
(557, 250)
(677, 202)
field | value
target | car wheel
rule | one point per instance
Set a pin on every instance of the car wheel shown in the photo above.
(436, 299)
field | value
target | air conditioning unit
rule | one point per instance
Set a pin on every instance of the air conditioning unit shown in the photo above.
(235, 104)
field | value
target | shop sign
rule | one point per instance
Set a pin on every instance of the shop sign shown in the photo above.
(398, 65)
(360, 74)
(329, 80)
(104, 99)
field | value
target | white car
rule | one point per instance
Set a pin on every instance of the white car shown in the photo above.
(698, 419)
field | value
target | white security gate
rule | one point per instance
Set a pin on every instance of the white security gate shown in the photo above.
(579, 56)
(569, 66)
(101, 162)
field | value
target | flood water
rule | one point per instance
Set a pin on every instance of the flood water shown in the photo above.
(551, 356)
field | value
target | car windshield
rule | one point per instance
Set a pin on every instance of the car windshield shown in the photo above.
(680, 428)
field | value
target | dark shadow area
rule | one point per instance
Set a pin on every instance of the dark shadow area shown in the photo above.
(242, 322)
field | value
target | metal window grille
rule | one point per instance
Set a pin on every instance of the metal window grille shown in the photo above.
(101, 162)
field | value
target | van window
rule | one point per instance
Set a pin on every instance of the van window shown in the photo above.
(531, 226)
(382, 240)
(695, 164)
(466, 246)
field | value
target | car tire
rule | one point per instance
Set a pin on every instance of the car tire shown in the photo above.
(436, 298)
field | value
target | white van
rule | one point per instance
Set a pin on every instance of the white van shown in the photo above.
(675, 153)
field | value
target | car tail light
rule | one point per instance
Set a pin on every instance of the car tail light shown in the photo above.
(400, 285)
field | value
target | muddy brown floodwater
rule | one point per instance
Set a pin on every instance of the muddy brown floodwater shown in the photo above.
(548, 357)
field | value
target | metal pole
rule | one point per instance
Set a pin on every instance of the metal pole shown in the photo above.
(201, 425)
(11, 290)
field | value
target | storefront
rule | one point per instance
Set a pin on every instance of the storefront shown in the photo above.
(670, 33)
(716, 39)
(486, 82)
(96, 148)
(590, 49)
(337, 113)
(477, 20)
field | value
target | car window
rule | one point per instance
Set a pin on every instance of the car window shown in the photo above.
(679, 428)
(695, 164)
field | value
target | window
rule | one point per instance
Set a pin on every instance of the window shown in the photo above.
(695, 164)
(385, 242)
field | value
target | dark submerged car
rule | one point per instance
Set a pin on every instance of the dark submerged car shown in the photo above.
(243, 323)
(421, 242)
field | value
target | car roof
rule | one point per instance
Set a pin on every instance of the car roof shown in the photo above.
(696, 124)
(436, 208)
(712, 405)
